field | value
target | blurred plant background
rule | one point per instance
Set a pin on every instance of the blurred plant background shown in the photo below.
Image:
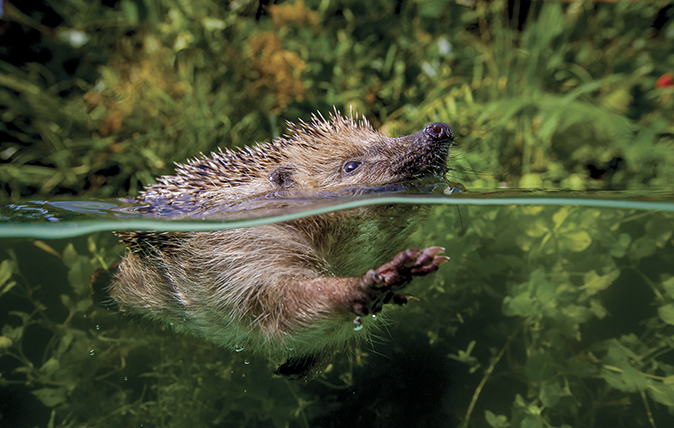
(567, 314)
(99, 97)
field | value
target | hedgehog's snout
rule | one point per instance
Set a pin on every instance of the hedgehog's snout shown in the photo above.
(439, 131)
(425, 152)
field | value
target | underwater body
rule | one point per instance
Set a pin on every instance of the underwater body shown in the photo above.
(556, 308)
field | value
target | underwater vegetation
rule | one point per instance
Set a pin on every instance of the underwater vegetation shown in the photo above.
(546, 316)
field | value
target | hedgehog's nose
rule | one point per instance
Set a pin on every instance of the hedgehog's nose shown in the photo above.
(439, 131)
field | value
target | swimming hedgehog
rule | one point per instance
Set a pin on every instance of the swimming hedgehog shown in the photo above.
(292, 291)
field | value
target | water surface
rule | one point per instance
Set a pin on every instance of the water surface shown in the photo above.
(556, 309)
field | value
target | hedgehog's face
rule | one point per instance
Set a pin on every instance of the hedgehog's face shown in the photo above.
(358, 156)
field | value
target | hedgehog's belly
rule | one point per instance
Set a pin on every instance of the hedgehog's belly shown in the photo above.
(215, 304)
(318, 338)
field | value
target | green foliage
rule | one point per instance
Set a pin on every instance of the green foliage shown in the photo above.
(549, 316)
(131, 88)
(564, 93)
(561, 316)
(586, 301)
(93, 368)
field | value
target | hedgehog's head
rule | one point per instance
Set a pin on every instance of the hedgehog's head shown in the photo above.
(348, 152)
(325, 154)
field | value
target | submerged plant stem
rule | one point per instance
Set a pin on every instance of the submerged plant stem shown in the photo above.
(648, 409)
(650, 283)
(301, 404)
(489, 371)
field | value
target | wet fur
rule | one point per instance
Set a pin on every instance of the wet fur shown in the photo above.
(282, 290)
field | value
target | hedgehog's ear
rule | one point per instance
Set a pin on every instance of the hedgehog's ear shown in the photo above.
(282, 175)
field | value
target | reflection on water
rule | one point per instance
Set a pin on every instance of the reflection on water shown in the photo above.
(62, 219)
(546, 315)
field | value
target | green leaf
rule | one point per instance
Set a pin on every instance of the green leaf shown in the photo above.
(50, 366)
(628, 379)
(539, 367)
(522, 305)
(669, 286)
(666, 313)
(131, 11)
(464, 356)
(5, 342)
(660, 230)
(598, 309)
(537, 228)
(7, 287)
(550, 393)
(25, 317)
(79, 275)
(643, 247)
(619, 248)
(531, 181)
(560, 216)
(496, 421)
(595, 283)
(662, 393)
(577, 314)
(50, 397)
(575, 241)
(614, 379)
(6, 271)
(618, 354)
(69, 255)
(634, 379)
(65, 299)
(84, 304)
(532, 421)
(12, 333)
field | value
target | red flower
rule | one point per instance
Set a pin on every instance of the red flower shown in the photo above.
(664, 81)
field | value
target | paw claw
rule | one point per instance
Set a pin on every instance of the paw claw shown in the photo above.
(401, 299)
(427, 256)
(434, 251)
(379, 285)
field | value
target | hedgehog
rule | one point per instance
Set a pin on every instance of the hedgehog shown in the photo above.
(294, 291)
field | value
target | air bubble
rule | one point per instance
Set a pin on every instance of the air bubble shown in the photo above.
(91, 353)
(125, 378)
(246, 362)
(374, 317)
(238, 348)
(98, 327)
(357, 324)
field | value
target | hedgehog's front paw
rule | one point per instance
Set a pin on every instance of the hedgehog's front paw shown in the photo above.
(379, 285)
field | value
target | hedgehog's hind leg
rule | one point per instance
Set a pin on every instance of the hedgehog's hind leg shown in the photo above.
(101, 281)
(304, 368)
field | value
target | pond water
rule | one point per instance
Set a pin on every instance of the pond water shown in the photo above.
(556, 309)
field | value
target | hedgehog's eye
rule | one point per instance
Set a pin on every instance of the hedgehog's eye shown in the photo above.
(351, 166)
(283, 176)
